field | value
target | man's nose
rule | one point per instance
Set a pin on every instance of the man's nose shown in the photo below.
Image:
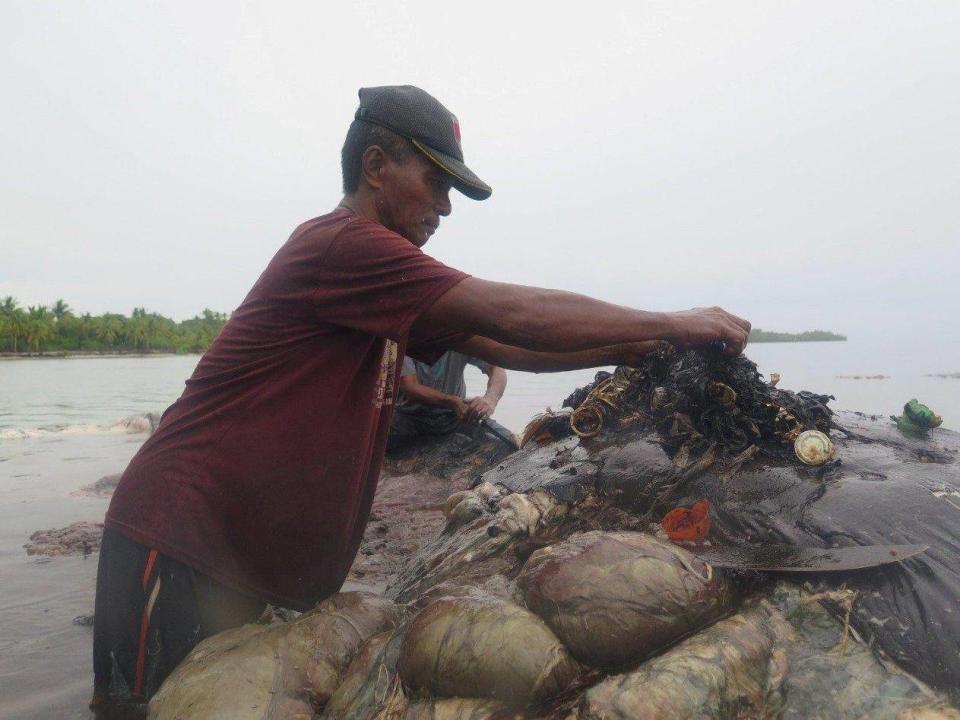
(443, 207)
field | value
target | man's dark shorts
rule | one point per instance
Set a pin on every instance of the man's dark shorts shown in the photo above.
(151, 611)
(408, 427)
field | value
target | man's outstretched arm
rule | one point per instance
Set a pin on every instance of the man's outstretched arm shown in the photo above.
(559, 321)
(514, 358)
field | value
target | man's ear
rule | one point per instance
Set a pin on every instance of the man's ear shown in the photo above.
(372, 164)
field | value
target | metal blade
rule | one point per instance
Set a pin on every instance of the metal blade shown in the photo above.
(508, 439)
(790, 558)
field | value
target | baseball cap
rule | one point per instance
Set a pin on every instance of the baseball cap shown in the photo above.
(424, 121)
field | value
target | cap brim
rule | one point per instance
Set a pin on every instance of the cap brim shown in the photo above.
(464, 179)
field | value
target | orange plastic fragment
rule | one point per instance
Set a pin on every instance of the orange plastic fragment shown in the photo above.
(683, 524)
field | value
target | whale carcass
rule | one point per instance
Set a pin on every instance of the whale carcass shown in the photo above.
(552, 591)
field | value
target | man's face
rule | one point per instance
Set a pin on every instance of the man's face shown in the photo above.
(414, 196)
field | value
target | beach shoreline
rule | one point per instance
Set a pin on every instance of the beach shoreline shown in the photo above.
(61, 354)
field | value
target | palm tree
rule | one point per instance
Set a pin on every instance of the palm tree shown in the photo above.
(60, 309)
(39, 326)
(108, 329)
(17, 324)
(38, 312)
(7, 307)
(137, 329)
(85, 329)
(39, 329)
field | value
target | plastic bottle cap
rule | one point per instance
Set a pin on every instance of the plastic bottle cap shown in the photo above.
(813, 447)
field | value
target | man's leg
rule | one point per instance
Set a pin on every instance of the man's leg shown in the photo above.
(118, 648)
(407, 427)
(222, 608)
(404, 429)
(190, 607)
(151, 611)
(442, 422)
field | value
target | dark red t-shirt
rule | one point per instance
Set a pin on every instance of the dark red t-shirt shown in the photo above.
(262, 473)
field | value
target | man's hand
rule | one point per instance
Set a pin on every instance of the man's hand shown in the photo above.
(632, 354)
(459, 406)
(479, 408)
(703, 327)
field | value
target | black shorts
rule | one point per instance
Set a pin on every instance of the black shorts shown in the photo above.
(408, 427)
(151, 611)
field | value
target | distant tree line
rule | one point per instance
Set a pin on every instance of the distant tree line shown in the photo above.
(758, 335)
(39, 328)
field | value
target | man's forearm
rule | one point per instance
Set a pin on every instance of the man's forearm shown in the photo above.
(514, 358)
(496, 383)
(543, 320)
(425, 395)
(557, 321)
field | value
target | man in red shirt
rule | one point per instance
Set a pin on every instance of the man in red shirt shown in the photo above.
(257, 483)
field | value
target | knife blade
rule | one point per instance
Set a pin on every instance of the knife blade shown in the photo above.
(508, 439)
(791, 558)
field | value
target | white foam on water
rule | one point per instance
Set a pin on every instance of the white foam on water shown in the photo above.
(947, 495)
(132, 424)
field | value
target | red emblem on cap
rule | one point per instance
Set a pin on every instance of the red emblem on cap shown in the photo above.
(456, 129)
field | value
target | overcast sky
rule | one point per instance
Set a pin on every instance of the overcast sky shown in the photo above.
(797, 163)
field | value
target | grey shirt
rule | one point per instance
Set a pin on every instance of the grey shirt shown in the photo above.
(445, 375)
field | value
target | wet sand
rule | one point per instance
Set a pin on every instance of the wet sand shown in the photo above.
(407, 512)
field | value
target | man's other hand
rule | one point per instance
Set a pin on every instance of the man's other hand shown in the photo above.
(479, 408)
(703, 327)
(459, 406)
(633, 354)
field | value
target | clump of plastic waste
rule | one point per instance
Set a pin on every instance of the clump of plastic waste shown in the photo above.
(483, 647)
(700, 403)
(917, 418)
(280, 671)
(617, 598)
(735, 668)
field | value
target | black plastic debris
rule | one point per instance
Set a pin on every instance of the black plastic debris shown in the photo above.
(700, 404)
